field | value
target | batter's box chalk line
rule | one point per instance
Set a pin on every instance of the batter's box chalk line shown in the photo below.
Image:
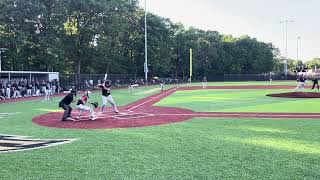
(133, 116)
(122, 115)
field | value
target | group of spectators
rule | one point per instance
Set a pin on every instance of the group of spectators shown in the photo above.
(26, 88)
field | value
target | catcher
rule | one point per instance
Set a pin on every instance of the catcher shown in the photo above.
(82, 107)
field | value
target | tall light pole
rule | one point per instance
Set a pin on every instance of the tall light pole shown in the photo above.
(145, 43)
(298, 39)
(1, 51)
(285, 22)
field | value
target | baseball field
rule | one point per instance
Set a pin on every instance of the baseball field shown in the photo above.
(228, 130)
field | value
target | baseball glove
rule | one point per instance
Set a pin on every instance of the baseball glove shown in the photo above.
(95, 104)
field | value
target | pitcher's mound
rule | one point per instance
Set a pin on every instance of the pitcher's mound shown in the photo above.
(296, 95)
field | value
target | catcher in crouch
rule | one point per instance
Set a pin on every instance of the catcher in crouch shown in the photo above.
(106, 96)
(82, 107)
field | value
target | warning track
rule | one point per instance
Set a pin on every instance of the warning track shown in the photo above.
(142, 113)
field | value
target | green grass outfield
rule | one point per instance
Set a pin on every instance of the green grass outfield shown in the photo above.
(248, 83)
(239, 100)
(203, 148)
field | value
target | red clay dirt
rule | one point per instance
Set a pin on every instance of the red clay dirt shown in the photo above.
(141, 113)
(296, 95)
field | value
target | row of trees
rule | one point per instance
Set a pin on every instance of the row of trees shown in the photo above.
(294, 64)
(98, 36)
(313, 63)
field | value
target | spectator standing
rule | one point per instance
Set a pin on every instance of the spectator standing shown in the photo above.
(8, 90)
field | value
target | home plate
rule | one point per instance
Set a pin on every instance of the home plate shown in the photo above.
(123, 113)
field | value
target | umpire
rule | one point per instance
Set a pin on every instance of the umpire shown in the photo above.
(65, 104)
(315, 82)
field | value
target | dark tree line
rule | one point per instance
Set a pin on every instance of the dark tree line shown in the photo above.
(98, 36)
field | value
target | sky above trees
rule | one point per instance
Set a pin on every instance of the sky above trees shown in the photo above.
(98, 36)
(259, 19)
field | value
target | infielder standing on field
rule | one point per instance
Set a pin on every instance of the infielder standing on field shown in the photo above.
(131, 85)
(106, 96)
(161, 84)
(82, 107)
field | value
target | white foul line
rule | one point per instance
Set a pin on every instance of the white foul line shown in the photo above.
(207, 115)
(152, 99)
(244, 115)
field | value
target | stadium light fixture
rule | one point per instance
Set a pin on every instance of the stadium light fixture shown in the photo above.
(285, 22)
(298, 43)
(1, 51)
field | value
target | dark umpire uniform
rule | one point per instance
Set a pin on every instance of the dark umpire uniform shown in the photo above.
(65, 104)
(315, 82)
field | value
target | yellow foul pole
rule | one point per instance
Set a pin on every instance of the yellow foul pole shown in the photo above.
(190, 64)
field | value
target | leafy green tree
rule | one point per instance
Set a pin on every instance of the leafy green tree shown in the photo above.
(99, 36)
(313, 63)
(31, 30)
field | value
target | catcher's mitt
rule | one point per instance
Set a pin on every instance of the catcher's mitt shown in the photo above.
(95, 104)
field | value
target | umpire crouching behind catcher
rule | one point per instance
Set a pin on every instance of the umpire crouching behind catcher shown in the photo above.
(65, 104)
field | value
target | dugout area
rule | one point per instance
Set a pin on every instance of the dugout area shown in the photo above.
(33, 75)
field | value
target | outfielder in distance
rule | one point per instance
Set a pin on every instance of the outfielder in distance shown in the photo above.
(106, 96)
(204, 82)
